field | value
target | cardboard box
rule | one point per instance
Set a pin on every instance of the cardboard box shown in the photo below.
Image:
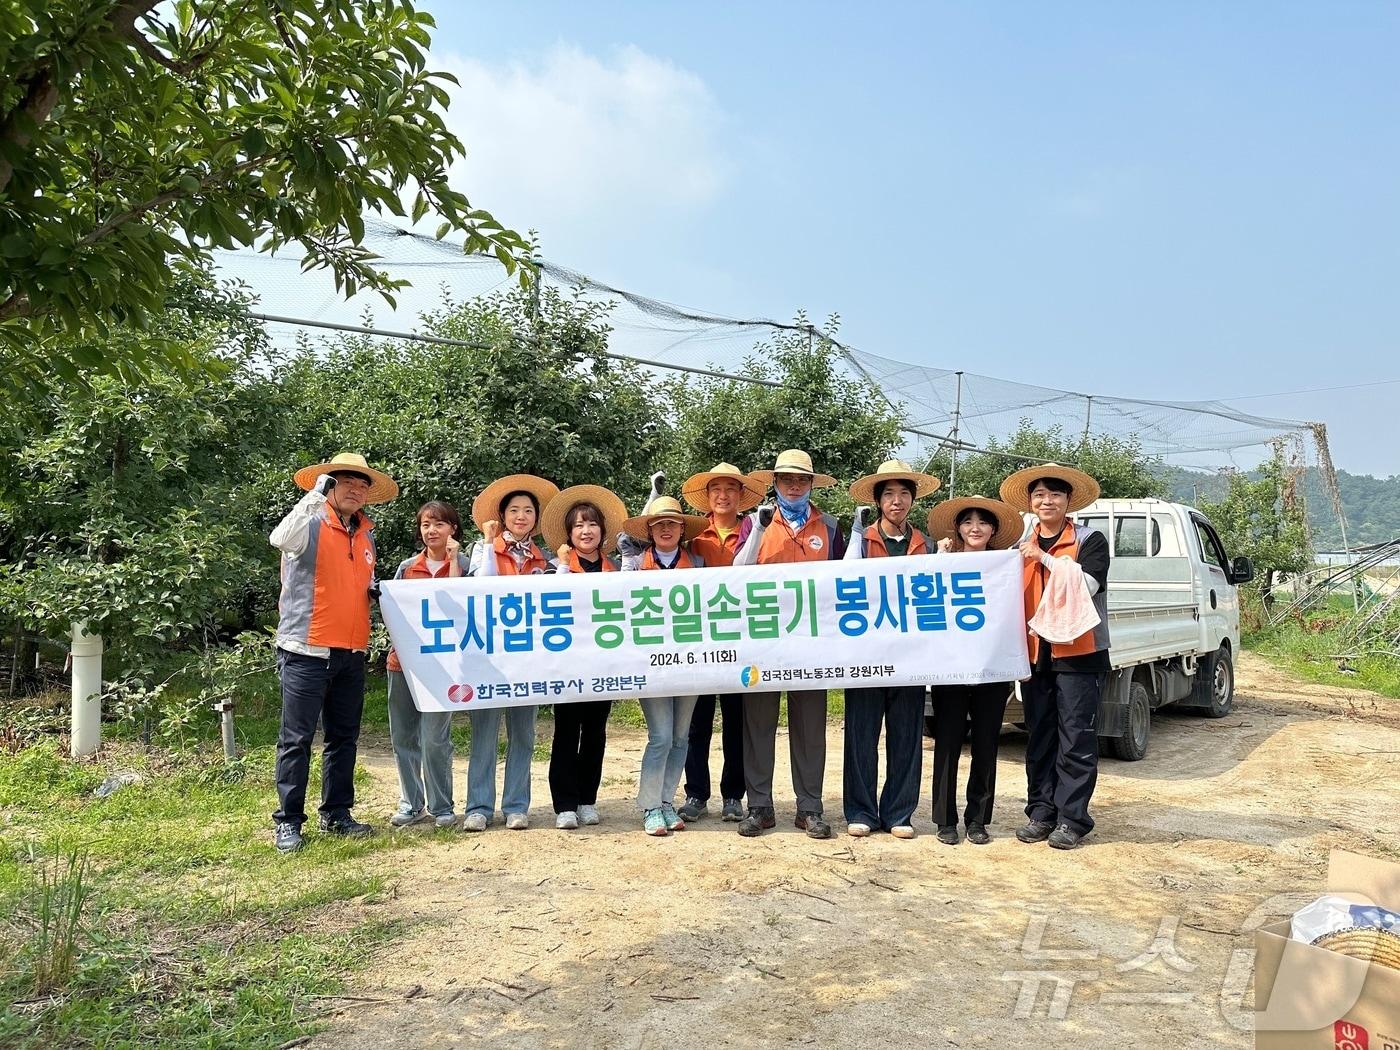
(1308, 998)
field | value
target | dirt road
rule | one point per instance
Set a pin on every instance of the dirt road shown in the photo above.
(604, 937)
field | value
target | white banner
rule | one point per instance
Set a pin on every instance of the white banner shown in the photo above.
(501, 641)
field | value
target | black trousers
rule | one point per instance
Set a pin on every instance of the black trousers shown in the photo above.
(331, 691)
(576, 758)
(953, 705)
(697, 759)
(1062, 755)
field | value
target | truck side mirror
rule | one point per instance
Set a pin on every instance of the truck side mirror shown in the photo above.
(1241, 570)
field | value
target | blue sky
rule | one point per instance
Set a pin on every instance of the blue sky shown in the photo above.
(1181, 201)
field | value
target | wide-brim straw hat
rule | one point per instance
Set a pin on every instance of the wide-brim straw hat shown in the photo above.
(487, 506)
(556, 532)
(382, 488)
(1368, 943)
(794, 461)
(943, 520)
(1016, 489)
(863, 489)
(659, 509)
(696, 488)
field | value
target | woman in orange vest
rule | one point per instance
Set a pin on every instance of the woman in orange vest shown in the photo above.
(668, 530)
(1061, 697)
(969, 523)
(893, 488)
(796, 530)
(581, 524)
(422, 740)
(508, 514)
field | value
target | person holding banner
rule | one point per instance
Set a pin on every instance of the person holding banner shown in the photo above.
(328, 559)
(798, 531)
(581, 524)
(722, 494)
(893, 488)
(969, 523)
(422, 740)
(1061, 697)
(515, 502)
(669, 531)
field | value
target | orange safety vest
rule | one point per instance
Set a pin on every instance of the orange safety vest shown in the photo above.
(325, 588)
(416, 568)
(812, 542)
(716, 551)
(576, 565)
(875, 542)
(1034, 576)
(685, 561)
(505, 564)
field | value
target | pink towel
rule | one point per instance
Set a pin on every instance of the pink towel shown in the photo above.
(1066, 608)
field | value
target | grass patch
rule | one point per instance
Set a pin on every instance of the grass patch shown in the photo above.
(1309, 645)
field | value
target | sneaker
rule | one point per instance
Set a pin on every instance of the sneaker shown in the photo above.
(402, 819)
(759, 820)
(902, 831)
(517, 821)
(1035, 831)
(566, 821)
(977, 835)
(345, 826)
(733, 810)
(588, 815)
(654, 822)
(858, 830)
(948, 835)
(474, 822)
(1064, 837)
(674, 821)
(287, 837)
(446, 820)
(692, 808)
(813, 824)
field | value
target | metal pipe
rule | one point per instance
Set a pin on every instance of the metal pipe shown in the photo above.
(957, 421)
(86, 655)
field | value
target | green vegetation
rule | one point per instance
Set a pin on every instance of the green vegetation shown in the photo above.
(1310, 646)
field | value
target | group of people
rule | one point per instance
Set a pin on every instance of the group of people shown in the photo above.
(328, 583)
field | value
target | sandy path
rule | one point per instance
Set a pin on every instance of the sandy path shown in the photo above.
(605, 937)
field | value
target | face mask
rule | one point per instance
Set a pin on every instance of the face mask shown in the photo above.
(796, 511)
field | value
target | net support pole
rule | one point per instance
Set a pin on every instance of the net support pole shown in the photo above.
(1088, 418)
(957, 422)
(86, 654)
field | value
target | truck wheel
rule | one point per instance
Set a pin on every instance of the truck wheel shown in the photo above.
(1222, 685)
(1132, 745)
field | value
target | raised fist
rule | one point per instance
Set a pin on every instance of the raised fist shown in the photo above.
(765, 515)
(491, 530)
(324, 484)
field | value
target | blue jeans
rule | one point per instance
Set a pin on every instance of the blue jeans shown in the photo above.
(668, 741)
(481, 767)
(422, 742)
(901, 709)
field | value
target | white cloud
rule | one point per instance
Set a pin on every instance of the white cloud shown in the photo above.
(573, 141)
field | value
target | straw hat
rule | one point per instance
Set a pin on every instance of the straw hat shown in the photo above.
(695, 488)
(382, 488)
(942, 520)
(556, 533)
(1016, 489)
(1370, 943)
(664, 508)
(487, 506)
(863, 489)
(794, 461)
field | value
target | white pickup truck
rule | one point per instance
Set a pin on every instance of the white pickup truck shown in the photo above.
(1173, 618)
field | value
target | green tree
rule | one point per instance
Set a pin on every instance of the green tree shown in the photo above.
(1262, 518)
(1119, 465)
(843, 422)
(136, 135)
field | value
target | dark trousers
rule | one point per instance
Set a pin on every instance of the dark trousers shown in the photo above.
(576, 758)
(806, 746)
(901, 709)
(331, 691)
(697, 759)
(953, 705)
(1062, 755)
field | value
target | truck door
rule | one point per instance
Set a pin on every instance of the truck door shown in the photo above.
(1220, 605)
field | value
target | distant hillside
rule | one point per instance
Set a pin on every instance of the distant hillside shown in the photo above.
(1372, 505)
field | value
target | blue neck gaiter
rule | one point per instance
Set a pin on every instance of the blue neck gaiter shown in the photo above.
(795, 511)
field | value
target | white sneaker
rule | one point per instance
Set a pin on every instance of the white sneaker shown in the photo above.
(902, 831)
(858, 831)
(447, 820)
(517, 822)
(406, 820)
(474, 822)
(566, 821)
(588, 815)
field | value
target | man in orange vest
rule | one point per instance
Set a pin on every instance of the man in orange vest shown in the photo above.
(1061, 696)
(328, 560)
(797, 531)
